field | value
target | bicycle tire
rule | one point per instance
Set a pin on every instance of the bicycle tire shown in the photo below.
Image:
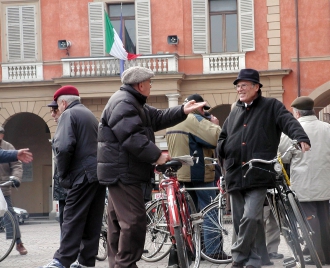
(290, 234)
(102, 253)
(7, 235)
(181, 248)
(303, 228)
(157, 242)
(220, 232)
(194, 257)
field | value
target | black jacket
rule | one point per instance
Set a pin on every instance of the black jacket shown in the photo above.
(254, 132)
(126, 140)
(75, 145)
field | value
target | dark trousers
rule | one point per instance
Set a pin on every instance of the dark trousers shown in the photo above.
(81, 226)
(12, 211)
(126, 225)
(61, 205)
(317, 213)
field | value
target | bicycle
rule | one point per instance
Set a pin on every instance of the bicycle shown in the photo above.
(7, 227)
(287, 211)
(217, 227)
(178, 215)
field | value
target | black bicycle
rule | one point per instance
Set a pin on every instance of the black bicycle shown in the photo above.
(288, 212)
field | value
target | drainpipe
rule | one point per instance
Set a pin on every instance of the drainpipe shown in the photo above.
(297, 42)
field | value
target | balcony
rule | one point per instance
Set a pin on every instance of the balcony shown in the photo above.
(223, 63)
(108, 66)
(19, 72)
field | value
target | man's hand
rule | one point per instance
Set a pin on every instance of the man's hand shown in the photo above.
(192, 105)
(163, 159)
(304, 147)
(24, 155)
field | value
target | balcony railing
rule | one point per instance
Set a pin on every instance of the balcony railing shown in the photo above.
(17, 72)
(223, 63)
(108, 66)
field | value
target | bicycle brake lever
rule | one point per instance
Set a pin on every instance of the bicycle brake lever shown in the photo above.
(250, 167)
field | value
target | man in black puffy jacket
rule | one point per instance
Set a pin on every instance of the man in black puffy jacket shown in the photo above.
(126, 154)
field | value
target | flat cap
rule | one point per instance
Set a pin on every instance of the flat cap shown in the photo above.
(136, 75)
(53, 104)
(2, 130)
(303, 103)
(66, 90)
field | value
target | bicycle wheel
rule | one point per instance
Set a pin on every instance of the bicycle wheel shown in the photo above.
(7, 235)
(216, 232)
(289, 232)
(304, 230)
(102, 254)
(157, 243)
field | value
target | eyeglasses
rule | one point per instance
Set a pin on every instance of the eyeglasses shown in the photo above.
(150, 82)
(243, 86)
(54, 110)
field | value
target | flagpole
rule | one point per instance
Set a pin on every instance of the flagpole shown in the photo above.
(121, 62)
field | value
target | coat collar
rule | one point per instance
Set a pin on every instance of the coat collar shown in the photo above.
(307, 118)
(254, 103)
(140, 98)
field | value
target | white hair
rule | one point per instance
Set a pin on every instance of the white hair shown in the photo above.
(68, 98)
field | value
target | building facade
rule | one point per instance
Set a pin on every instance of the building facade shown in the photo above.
(194, 46)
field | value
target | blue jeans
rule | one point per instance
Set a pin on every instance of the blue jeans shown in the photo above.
(201, 199)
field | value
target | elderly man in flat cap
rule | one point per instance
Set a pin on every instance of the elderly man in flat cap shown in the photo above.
(75, 149)
(126, 154)
(309, 175)
(252, 130)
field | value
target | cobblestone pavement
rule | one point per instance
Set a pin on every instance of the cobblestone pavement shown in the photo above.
(41, 239)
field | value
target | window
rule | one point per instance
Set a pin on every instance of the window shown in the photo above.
(21, 33)
(136, 26)
(122, 18)
(220, 26)
(223, 26)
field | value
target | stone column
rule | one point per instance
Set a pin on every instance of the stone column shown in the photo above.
(173, 99)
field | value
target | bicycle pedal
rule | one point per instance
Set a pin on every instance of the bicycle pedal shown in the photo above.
(196, 216)
(198, 221)
(289, 262)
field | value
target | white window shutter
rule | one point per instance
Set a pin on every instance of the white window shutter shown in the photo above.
(143, 27)
(96, 29)
(29, 33)
(246, 25)
(199, 26)
(21, 33)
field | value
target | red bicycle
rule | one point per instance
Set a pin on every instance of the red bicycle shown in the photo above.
(180, 213)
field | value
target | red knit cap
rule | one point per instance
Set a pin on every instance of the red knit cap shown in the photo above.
(66, 90)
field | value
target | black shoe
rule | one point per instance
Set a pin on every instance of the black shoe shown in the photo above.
(237, 265)
(268, 263)
(275, 255)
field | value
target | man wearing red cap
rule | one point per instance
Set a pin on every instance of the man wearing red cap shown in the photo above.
(74, 146)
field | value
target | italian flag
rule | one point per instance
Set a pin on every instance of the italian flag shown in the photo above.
(113, 44)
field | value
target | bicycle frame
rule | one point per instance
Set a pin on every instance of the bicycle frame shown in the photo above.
(178, 212)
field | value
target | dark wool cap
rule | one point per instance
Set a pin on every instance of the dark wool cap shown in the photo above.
(136, 75)
(249, 75)
(53, 104)
(66, 90)
(303, 103)
(197, 98)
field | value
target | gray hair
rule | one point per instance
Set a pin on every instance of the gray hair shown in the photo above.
(68, 98)
(304, 112)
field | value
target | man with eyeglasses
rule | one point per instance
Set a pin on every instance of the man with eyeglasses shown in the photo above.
(252, 130)
(126, 156)
(59, 193)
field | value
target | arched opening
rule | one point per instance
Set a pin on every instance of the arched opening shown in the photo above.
(27, 130)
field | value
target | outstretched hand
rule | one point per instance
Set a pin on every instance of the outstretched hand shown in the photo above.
(24, 155)
(192, 105)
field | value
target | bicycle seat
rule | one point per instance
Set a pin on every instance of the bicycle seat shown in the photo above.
(174, 165)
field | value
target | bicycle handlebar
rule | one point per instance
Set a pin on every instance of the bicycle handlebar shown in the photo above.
(12, 182)
(295, 146)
